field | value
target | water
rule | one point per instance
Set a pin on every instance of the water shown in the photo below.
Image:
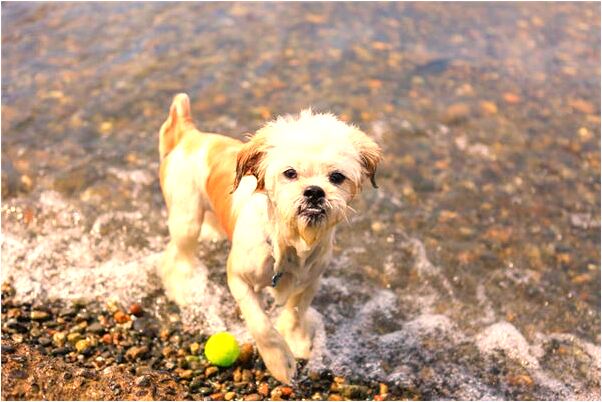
(472, 272)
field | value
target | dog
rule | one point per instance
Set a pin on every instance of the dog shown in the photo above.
(278, 198)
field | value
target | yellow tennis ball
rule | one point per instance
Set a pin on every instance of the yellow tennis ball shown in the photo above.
(222, 349)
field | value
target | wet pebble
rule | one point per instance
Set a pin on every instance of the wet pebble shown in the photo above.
(246, 353)
(95, 328)
(44, 341)
(143, 381)
(135, 309)
(136, 352)
(38, 315)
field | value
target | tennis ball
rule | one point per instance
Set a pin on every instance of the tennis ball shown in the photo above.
(222, 349)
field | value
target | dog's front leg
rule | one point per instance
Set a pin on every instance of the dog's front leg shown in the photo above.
(292, 322)
(271, 345)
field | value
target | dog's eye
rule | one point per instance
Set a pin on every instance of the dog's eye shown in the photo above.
(336, 177)
(290, 174)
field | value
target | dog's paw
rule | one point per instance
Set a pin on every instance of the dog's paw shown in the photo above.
(296, 334)
(177, 278)
(278, 358)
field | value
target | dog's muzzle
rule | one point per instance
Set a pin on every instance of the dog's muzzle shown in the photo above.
(312, 207)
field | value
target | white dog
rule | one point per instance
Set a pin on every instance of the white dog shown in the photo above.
(278, 198)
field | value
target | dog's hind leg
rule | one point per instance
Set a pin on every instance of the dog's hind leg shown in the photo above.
(185, 221)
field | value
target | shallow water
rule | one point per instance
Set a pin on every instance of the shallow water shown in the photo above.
(472, 272)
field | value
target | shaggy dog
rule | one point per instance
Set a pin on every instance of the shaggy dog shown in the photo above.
(278, 198)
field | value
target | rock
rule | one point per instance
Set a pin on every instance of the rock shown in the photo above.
(488, 107)
(107, 339)
(185, 374)
(192, 358)
(120, 317)
(38, 315)
(194, 348)
(68, 312)
(135, 309)
(82, 346)
(142, 381)
(247, 376)
(196, 383)
(218, 396)
(205, 390)
(582, 106)
(353, 391)
(95, 328)
(136, 352)
(335, 397)
(252, 397)
(211, 370)
(456, 113)
(17, 338)
(377, 226)
(59, 351)
(263, 389)
(228, 396)
(44, 341)
(59, 339)
(8, 348)
(74, 337)
(167, 351)
(511, 98)
(246, 353)
(14, 326)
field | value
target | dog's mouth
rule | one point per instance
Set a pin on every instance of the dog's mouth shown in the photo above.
(312, 213)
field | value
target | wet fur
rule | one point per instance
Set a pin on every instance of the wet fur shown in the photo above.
(238, 190)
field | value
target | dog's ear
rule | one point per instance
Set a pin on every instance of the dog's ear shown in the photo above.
(249, 161)
(369, 153)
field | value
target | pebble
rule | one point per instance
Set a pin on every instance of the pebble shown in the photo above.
(15, 326)
(120, 317)
(205, 390)
(82, 346)
(59, 351)
(218, 396)
(136, 352)
(142, 381)
(263, 389)
(74, 337)
(95, 328)
(194, 348)
(246, 353)
(59, 338)
(68, 312)
(456, 113)
(252, 397)
(228, 396)
(18, 338)
(488, 107)
(44, 341)
(511, 98)
(135, 309)
(185, 374)
(211, 370)
(38, 315)
(8, 348)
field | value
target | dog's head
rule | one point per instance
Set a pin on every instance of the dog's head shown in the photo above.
(311, 166)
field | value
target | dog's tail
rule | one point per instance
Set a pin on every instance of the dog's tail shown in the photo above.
(175, 126)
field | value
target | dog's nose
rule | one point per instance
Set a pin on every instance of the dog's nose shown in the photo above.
(314, 193)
